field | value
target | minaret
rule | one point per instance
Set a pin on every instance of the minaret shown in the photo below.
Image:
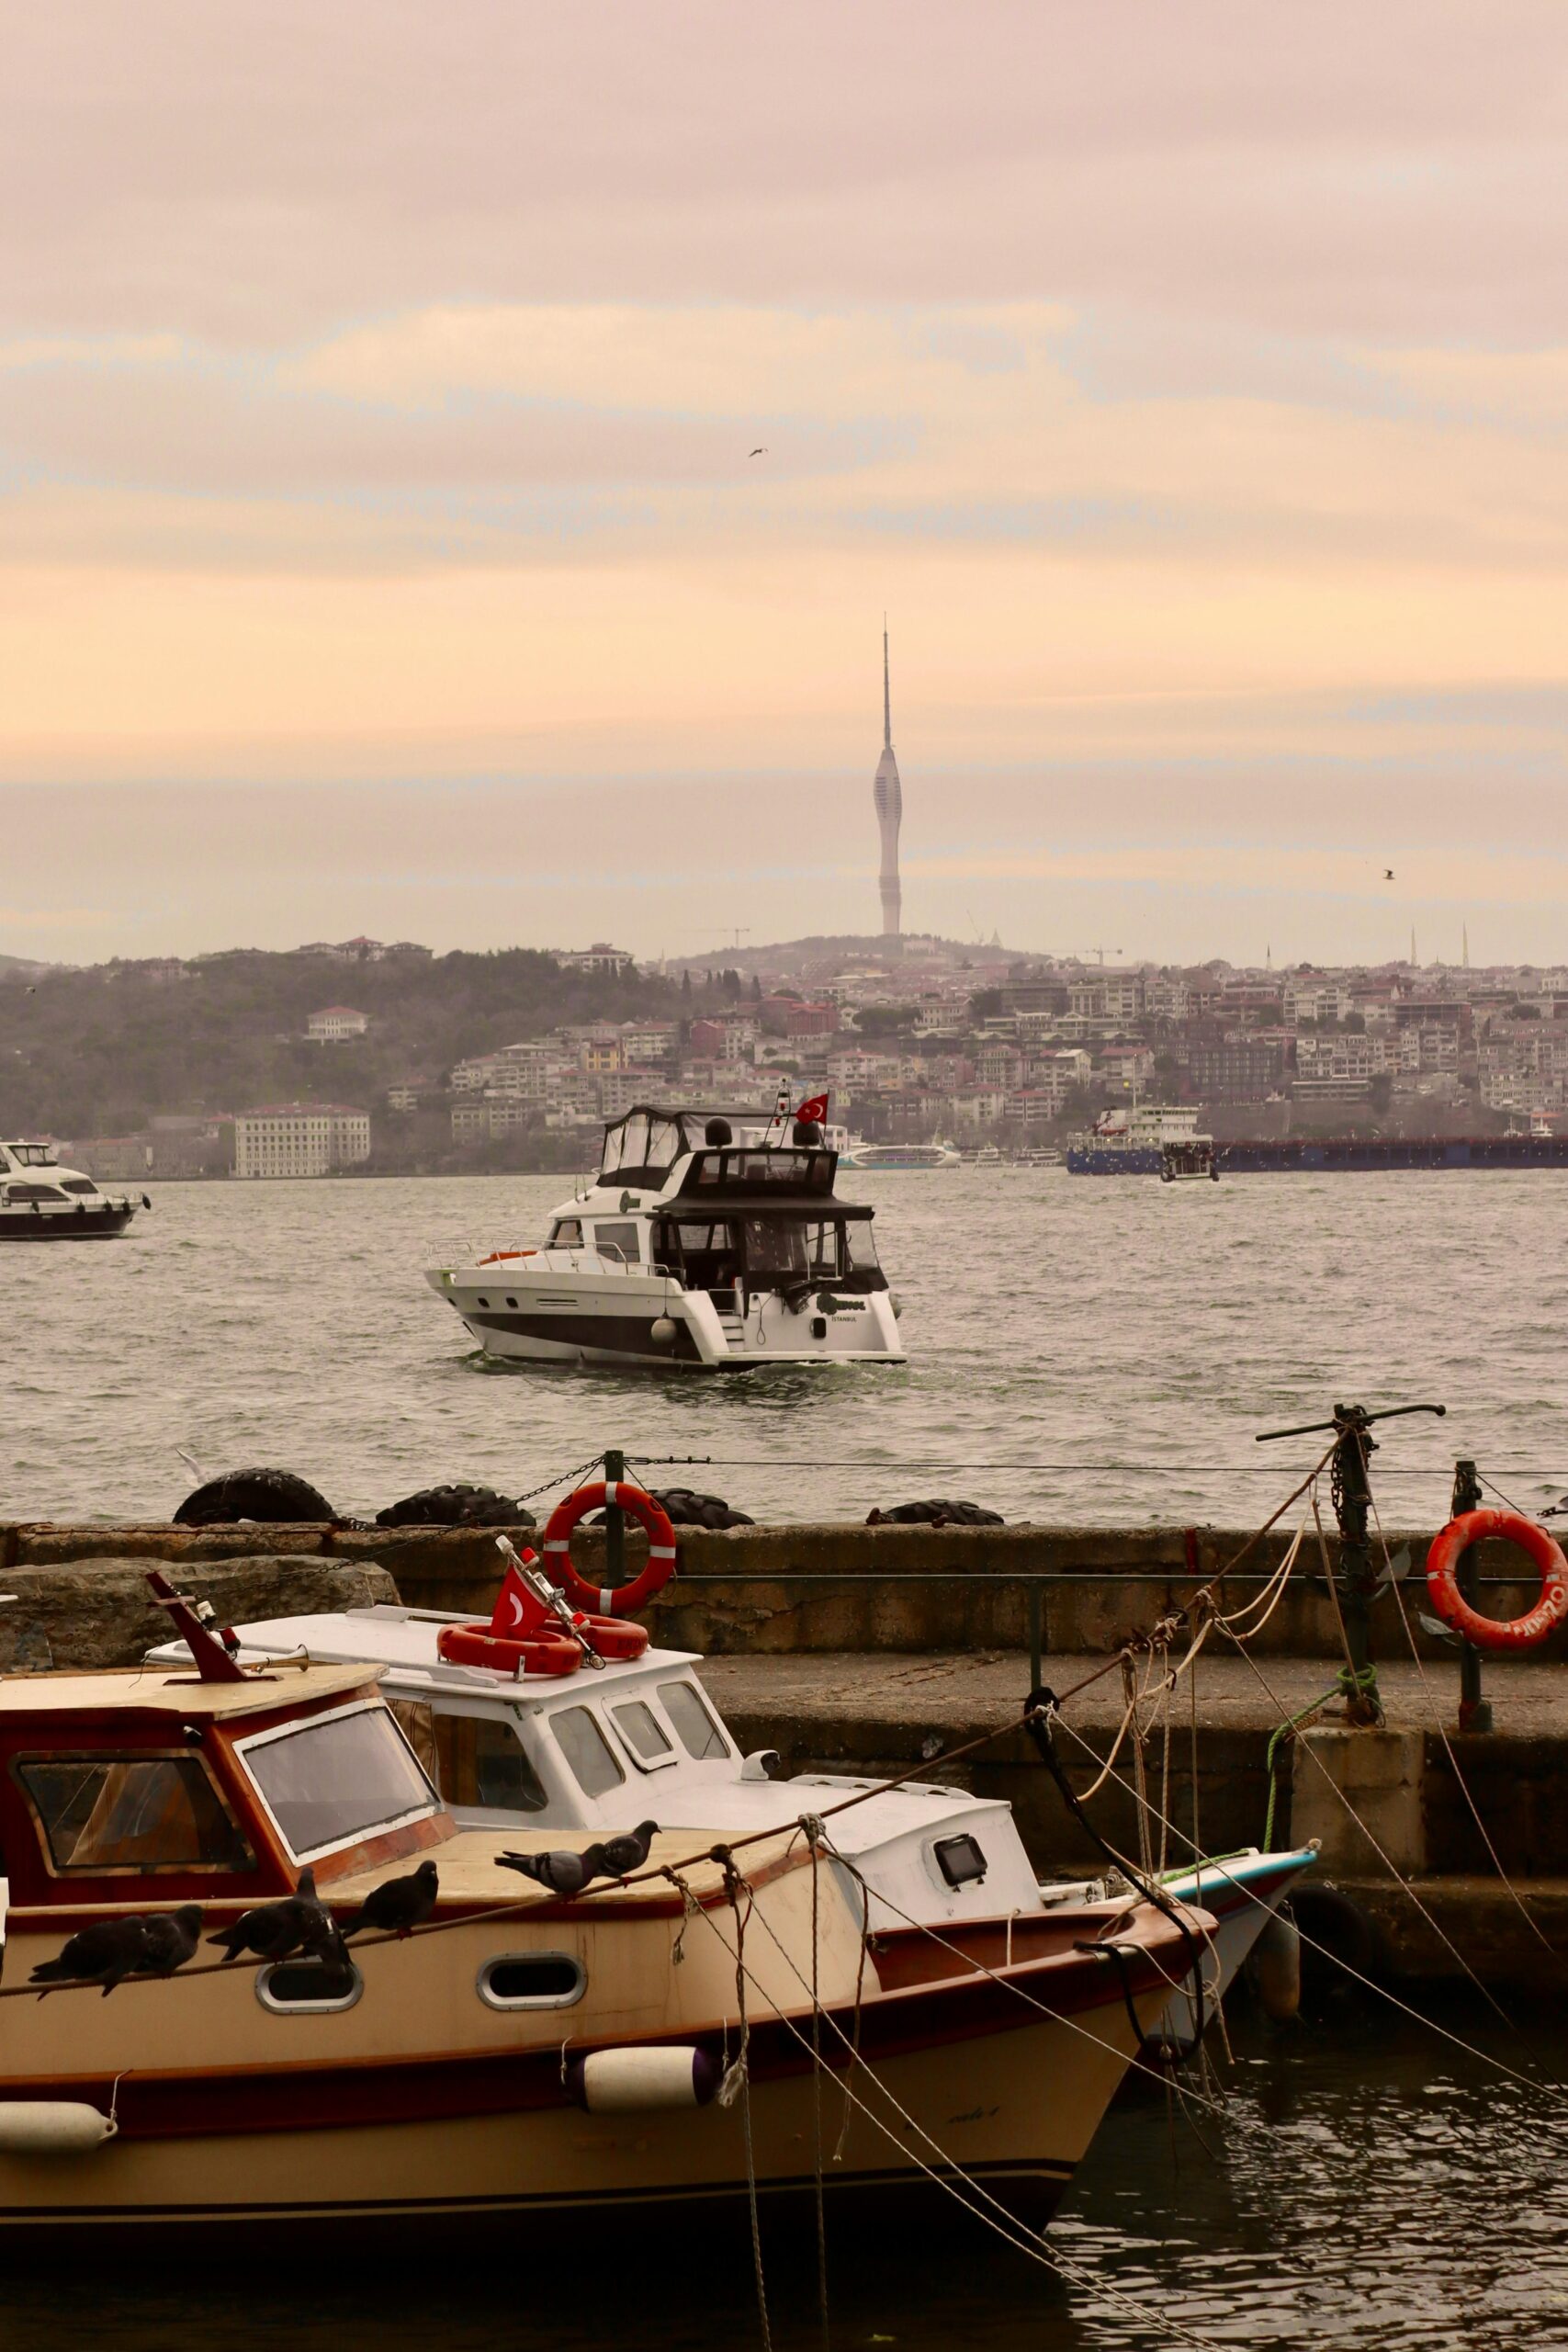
(1465, 936)
(888, 795)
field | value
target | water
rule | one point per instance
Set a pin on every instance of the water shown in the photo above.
(1054, 1324)
(1368, 2187)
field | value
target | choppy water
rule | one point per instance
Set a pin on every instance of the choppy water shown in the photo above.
(1401, 2195)
(1367, 2188)
(1054, 1323)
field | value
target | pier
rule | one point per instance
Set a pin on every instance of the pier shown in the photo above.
(876, 1650)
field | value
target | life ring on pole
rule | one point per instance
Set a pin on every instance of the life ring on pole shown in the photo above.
(1503, 1527)
(610, 1601)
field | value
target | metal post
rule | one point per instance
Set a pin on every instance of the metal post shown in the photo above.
(1474, 1711)
(1352, 1501)
(615, 1521)
(1036, 1633)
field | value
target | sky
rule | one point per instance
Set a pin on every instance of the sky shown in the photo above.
(381, 549)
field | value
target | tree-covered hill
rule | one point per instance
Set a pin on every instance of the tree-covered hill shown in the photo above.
(101, 1051)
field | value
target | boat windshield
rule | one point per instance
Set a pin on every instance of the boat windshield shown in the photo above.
(647, 1144)
(32, 1155)
(337, 1777)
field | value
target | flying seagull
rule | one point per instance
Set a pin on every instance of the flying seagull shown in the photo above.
(756, 453)
(1388, 874)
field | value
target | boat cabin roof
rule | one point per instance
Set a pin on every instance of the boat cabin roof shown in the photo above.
(136, 1690)
(397, 1639)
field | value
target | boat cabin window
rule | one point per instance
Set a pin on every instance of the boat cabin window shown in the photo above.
(131, 1812)
(824, 1251)
(587, 1750)
(644, 1733)
(700, 1734)
(567, 1233)
(703, 1250)
(862, 1249)
(32, 1155)
(641, 1146)
(775, 1248)
(80, 1184)
(473, 1759)
(307, 1987)
(34, 1192)
(617, 1240)
(337, 1777)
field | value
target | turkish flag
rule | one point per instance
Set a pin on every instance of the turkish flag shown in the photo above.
(815, 1107)
(519, 1613)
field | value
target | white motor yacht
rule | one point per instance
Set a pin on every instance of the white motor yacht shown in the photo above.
(40, 1201)
(707, 1239)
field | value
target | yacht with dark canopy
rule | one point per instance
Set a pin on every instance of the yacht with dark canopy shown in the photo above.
(710, 1240)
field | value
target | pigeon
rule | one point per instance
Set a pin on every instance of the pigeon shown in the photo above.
(398, 1903)
(567, 1874)
(558, 1871)
(275, 1929)
(628, 1852)
(172, 1939)
(101, 1954)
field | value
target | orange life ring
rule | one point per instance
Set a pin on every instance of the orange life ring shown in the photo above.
(616, 1600)
(477, 1645)
(1493, 1632)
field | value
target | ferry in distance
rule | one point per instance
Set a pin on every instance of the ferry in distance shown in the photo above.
(901, 1155)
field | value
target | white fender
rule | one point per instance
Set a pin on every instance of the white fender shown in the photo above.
(52, 2128)
(628, 2082)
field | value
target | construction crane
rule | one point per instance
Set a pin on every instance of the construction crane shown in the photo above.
(736, 933)
(1100, 952)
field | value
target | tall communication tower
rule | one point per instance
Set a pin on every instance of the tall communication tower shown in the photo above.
(888, 795)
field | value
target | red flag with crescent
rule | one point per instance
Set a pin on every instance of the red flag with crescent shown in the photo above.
(519, 1613)
(814, 1107)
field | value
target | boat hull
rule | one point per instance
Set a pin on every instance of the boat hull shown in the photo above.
(421, 2102)
(88, 1225)
(630, 1321)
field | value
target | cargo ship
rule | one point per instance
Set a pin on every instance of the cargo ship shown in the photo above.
(1355, 1155)
(1132, 1142)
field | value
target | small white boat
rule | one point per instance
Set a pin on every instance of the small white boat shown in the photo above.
(712, 1241)
(1188, 1159)
(40, 1201)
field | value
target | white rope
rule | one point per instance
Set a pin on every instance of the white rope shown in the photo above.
(1009, 2228)
(1529, 2082)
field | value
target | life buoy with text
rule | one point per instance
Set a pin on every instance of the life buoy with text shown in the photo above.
(1503, 1527)
(611, 1601)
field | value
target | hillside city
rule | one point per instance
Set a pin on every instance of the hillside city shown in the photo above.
(391, 1059)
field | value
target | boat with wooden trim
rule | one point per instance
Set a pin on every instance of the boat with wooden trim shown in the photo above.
(518, 2050)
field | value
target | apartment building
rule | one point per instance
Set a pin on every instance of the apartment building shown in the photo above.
(300, 1140)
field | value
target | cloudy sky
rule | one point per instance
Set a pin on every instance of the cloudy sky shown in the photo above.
(380, 550)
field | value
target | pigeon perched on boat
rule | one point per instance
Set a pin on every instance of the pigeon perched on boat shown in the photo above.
(171, 1937)
(567, 1874)
(558, 1871)
(273, 1930)
(101, 1954)
(396, 1906)
(627, 1851)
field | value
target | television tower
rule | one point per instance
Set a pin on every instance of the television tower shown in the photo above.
(888, 795)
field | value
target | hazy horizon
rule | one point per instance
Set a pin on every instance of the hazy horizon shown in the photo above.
(384, 553)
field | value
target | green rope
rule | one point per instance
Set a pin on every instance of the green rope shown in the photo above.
(1347, 1684)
